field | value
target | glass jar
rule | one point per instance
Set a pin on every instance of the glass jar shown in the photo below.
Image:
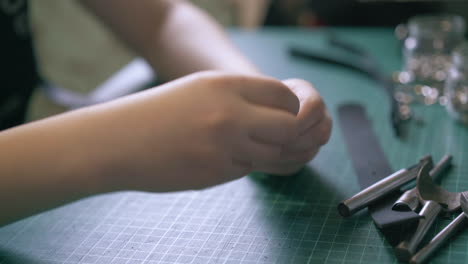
(456, 86)
(427, 54)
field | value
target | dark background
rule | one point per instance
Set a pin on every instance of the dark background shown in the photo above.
(355, 13)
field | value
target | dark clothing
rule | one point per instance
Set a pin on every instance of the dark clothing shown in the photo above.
(18, 72)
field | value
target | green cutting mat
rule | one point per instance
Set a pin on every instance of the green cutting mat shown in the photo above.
(257, 219)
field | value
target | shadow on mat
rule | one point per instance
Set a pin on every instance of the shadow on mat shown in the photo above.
(300, 215)
(9, 257)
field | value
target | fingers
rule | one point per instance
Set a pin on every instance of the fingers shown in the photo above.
(314, 126)
(313, 137)
(295, 155)
(270, 126)
(257, 153)
(312, 107)
(287, 165)
(240, 167)
(298, 157)
(285, 123)
(267, 92)
(298, 152)
(301, 88)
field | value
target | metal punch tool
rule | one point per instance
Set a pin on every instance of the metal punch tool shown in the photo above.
(436, 201)
(443, 236)
(410, 199)
(380, 189)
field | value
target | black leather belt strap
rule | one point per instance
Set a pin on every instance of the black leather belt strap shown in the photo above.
(370, 164)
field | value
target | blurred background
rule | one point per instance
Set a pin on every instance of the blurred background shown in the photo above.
(76, 52)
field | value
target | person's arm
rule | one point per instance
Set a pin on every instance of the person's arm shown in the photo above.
(217, 127)
(197, 131)
(251, 14)
(176, 37)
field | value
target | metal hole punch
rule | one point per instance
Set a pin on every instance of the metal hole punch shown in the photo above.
(380, 189)
(436, 201)
(410, 199)
(443, 236)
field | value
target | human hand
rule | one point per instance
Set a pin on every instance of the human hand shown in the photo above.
(200, 130)
(314, 131)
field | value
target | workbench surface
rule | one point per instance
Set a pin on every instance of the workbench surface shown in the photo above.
(259, 218)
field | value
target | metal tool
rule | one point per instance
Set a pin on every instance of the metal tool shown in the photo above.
(381, 188)
(430, 191)
(437, 200)
(371, 165)
(410, 200)
(443, 236)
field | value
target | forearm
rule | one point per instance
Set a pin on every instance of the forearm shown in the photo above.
(174, 36)
(251, 14)
(157, 140)
(45, 164)
(191, 41)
